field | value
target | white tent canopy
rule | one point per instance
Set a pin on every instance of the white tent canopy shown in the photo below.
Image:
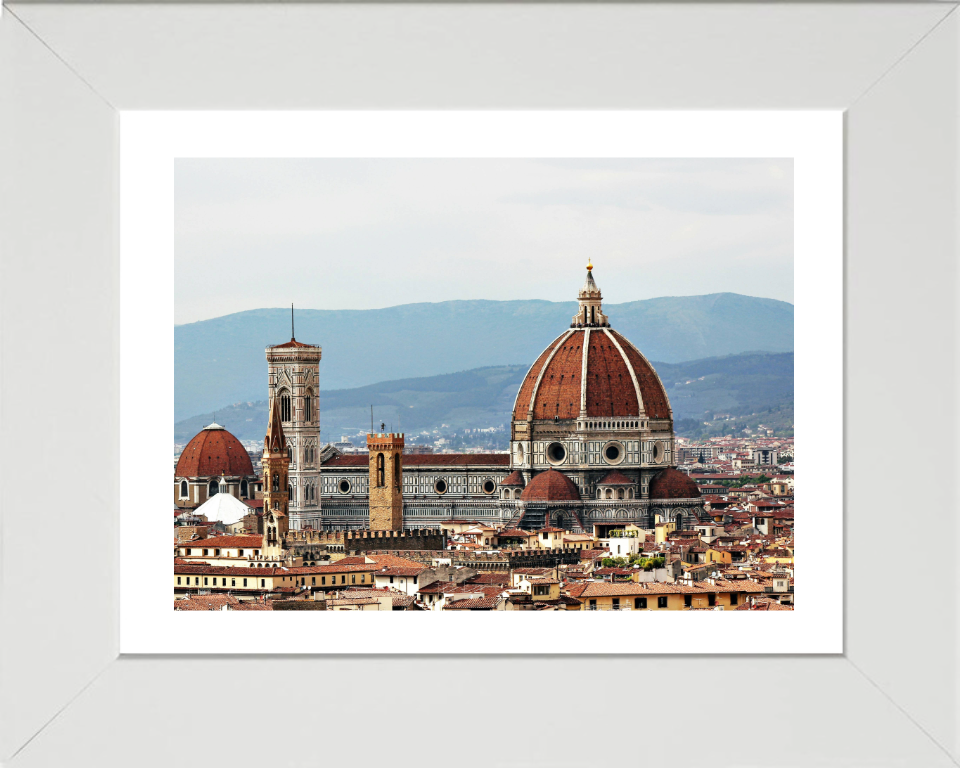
(224, 508)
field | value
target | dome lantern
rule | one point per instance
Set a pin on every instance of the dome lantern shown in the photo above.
(590, 313)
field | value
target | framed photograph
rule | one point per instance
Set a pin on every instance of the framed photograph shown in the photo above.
(591, 497)
(159, 195)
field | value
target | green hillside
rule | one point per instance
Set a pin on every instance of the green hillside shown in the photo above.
(743, 390)
(222, 360)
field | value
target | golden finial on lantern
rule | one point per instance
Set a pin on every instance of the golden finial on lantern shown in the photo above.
(589, 264)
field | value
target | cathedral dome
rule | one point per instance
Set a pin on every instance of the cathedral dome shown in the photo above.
(514, 478)
(673, 484)
(616, 478)
(615, 380)
(214, 452)
(551, 486)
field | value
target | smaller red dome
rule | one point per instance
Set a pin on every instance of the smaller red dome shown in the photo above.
(616, 478)
(673, 484)
(514, 478)
(214, 452)
(551, 486)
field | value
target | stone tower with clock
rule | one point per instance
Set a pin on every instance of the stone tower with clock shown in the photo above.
(293, 372)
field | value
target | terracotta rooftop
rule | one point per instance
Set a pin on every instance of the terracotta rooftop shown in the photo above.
(397, 571)
(476, 604)
(514, 478)
(516, 532)
(551, 486)
(615, 477)
(292, 344)
(225, 542)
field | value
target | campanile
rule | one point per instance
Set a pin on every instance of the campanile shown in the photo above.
(294, 381)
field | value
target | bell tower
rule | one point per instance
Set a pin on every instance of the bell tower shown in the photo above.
(386, 481)
(293, 372)
(276, 480)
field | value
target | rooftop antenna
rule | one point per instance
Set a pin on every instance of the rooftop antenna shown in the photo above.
(293, 336)
(371, 418)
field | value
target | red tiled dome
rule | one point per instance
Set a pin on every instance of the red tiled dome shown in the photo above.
(514, 478)
(616, 478)
(551, 486)
(214, 452)
(555, 382)
(673, 484)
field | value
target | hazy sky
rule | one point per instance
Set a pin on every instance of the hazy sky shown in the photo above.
(358, 234)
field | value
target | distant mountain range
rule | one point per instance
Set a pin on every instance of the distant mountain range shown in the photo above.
(729, 392)
(222, 360)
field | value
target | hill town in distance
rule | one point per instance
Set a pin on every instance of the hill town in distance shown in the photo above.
(595, 504)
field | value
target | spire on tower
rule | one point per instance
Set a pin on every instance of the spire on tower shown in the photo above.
(293, 336)
(275, 440)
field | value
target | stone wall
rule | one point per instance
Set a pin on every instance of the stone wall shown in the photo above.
(366, 541)
(491, 561)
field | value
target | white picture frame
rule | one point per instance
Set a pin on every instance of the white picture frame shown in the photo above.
(889, 699)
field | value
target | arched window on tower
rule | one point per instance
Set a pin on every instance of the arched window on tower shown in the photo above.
(214, 487)
(184, 492)
(308, 406)
(284, 406)
(276, 482)
(243, 489)
(380, 480)
(396, 469)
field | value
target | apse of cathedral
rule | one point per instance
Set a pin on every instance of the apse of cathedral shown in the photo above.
(591, 448)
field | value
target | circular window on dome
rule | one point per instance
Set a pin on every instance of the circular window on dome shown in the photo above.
(657, 452)
(440, 486)
(344, 486)
(556, 453)
(489, 486)
(613, 453)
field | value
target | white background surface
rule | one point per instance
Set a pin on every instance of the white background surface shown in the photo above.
(890, 701)
(149, 144)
